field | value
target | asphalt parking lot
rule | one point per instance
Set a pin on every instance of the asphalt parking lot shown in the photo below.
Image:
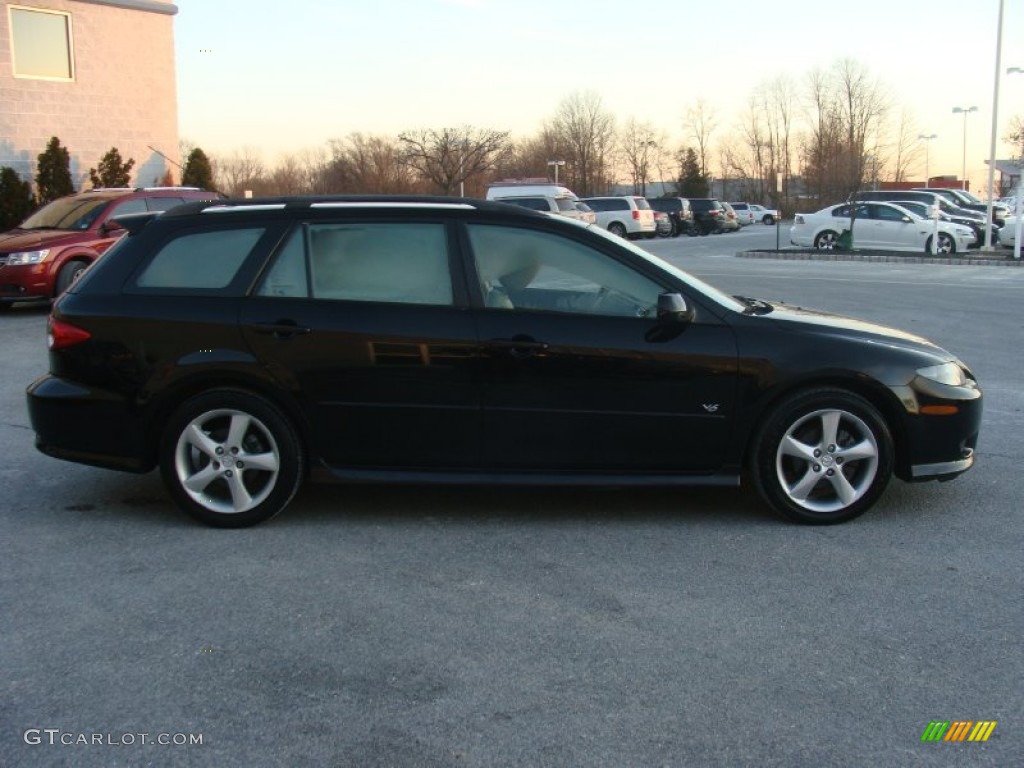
(382, 626)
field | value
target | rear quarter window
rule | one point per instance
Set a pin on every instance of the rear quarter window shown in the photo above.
(208, 260)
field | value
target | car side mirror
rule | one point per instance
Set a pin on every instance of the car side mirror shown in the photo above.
(111, 226)
(907, 220)
(672, 308)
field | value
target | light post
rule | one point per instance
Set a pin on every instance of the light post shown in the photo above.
(556, 164)
(927, 138)
(987, 244)
(965, 111)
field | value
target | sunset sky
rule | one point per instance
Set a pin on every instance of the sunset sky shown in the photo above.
(282, 77)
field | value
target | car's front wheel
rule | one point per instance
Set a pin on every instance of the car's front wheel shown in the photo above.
(768, 219)
(68, 274)
(823, 456)
(230, 458)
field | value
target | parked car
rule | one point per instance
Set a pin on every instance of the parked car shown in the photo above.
(1008, 234)
(559, 206)
(527, 189)
(242, 346)
(662, 224)
(731, 221)
(963, 198)
(883, 226)
(765, 215)
(708, 215)
(679, 212)
(587, 215)
(976, 223)
(624, 215)
(744, 213)
(930, 198)
(48, 251)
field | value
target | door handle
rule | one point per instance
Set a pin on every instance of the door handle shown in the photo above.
(518, 348)
(282, 328)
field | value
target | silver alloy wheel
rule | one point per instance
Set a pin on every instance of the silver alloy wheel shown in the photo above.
(227, 461)
(827, 460)
(945, 243)
(826, 241)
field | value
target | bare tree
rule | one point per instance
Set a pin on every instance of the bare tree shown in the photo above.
(528, 158)
(240, 172)
(639, 145)
(586, 131)
(362, 164)
(448, 157)
(904, 150)
(699, 123)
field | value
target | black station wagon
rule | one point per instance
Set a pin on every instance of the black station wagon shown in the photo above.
(242, 346)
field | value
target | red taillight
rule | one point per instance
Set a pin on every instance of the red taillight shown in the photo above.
(60, 334)
(636, 215)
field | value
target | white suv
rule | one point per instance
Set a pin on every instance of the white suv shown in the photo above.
(624, 215)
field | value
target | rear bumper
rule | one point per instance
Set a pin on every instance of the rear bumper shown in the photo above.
(87, 425)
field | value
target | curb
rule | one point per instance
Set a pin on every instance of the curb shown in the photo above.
(883, 257)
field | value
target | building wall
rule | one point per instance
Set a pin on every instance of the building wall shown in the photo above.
(123, 94)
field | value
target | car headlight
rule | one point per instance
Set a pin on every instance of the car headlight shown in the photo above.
(945, 373)
(27, 257)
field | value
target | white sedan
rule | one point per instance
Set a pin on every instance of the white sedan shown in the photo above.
(766, 215)
(883, 226)
(1008, 234)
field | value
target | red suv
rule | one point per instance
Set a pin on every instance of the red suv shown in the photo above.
(47, 252)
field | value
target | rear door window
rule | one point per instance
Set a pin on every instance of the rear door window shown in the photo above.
(395, 262)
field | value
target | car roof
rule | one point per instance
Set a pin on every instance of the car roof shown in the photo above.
(342, 202)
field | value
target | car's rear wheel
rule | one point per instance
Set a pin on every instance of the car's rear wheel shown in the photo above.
(616, 228)
(823, 456)
(827, 240)
(68, 274)
(946, 244)
(230, 458)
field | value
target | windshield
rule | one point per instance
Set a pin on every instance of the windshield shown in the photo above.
(968, 197)
(707, 290)
(73, 214)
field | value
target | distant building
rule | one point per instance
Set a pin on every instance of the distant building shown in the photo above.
(94, 73)
(1009, 175)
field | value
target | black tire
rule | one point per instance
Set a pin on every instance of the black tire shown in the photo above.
(827, 240)
(822, 456)
(768, 219)
(616, 228)
(68, 274)
(947, 246)
(211, 438)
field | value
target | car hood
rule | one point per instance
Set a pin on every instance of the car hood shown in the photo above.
(35, 239)
(787, 315)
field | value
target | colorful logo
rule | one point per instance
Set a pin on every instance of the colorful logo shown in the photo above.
(958, 730)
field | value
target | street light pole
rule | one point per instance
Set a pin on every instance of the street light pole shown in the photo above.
(965, 111)
(556, 164)
(927, 139)
(987, 244)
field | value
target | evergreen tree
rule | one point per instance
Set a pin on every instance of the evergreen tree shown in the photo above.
(53, 172)
(692, 183)
(198, 172)
(16, 201)
(113, 172)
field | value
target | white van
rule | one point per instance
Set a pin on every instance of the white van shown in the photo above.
(527, 189)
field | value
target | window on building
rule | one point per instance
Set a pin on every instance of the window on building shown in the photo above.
(41, 43)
